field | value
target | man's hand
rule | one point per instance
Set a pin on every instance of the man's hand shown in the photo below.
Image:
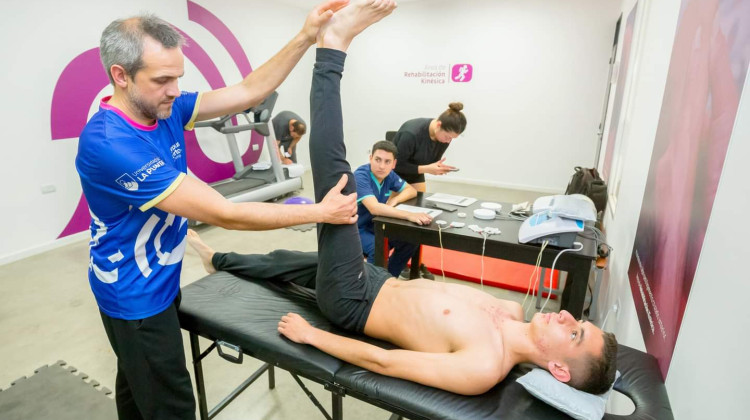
(295, 328)
(319, 16)
(420, 218)
(339, 209)
(438, 168)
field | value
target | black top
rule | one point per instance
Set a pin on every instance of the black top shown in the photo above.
(416, 148)
(281, 129)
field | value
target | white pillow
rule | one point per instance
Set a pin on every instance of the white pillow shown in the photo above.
(577, 404)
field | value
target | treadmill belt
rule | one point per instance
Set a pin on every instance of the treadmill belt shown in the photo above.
(228, 189)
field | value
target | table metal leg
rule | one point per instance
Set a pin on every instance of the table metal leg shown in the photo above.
(574, 293)
(337, 406)
(380, 245)
(198, 371)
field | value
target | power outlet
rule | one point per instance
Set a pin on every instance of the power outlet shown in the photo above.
(255, 147)
(47, 189)
(616, 308)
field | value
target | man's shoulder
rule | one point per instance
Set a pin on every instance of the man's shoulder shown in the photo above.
(104, 125)
(393, 180)
(394, 177)
(286, 115)
(363, 170)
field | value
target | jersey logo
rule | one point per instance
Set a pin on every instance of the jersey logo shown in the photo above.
(126, 181)
(176, 151)
(144, 238)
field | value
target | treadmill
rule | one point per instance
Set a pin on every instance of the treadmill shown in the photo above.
(250, 184)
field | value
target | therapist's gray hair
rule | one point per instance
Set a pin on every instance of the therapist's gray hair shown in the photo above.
(122, 41)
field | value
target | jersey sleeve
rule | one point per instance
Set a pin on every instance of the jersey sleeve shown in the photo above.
(129, 171)
(186, 107)
(364, 186)
(396, 183)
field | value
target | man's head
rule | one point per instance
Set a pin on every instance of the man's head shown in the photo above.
(143, 59)
(383, 159)
(297, 129)
(577, 353)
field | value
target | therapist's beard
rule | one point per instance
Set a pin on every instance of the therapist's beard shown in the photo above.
(147, 110)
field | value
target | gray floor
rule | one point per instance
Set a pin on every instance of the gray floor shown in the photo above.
(48, 313)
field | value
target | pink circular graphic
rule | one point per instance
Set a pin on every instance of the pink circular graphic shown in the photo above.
(82, 80)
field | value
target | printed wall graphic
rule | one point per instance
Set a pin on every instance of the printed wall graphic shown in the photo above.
(441, 74)
(462, 73)
(627, 42)
(83, 78)
(707, 71)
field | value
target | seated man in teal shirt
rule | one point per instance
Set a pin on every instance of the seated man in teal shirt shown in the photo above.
(379, 190)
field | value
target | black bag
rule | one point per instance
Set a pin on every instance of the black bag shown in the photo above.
(586, 181)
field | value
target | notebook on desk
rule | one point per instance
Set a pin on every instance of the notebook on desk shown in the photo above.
(414, 209)
(456, 200)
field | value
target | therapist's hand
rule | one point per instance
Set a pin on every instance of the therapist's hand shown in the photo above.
(339, 209)
(319, 16)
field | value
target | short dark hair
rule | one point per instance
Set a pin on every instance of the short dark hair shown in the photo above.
(122, 41)
(299, 127)
(452, 119)
(598, 373)
(385, 145)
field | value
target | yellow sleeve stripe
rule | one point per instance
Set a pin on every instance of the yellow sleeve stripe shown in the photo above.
(156, 200)
(191, 124)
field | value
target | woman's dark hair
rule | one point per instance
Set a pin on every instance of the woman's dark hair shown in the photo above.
(453, 119)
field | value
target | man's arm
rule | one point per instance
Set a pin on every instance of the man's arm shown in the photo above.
(406, 194)
(379, 209)
(264, 80)
(463, 372)
(195, 200)
(293, 145)
(285, 160)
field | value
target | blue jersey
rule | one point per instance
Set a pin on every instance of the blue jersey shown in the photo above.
(126, 169)
(368, 186)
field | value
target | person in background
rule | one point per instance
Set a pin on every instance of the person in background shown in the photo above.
(289, 129)
(379, 191)
(421, 143)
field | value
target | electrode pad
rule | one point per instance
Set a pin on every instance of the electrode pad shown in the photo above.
(491, 206)
(484, 214)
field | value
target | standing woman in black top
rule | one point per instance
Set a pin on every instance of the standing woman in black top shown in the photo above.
(421, 143)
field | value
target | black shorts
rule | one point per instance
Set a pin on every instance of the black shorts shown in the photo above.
(344, 300)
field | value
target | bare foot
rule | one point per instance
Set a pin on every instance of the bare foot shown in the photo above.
(204, 251)
(348, 22)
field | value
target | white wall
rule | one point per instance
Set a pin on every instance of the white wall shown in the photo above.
(540, 70)
(40, 38)
(707, 372)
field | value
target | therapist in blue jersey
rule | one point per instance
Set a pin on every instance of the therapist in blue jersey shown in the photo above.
(133, 169)
(379, 190)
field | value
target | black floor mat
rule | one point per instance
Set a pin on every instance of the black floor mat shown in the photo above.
(57, 392)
